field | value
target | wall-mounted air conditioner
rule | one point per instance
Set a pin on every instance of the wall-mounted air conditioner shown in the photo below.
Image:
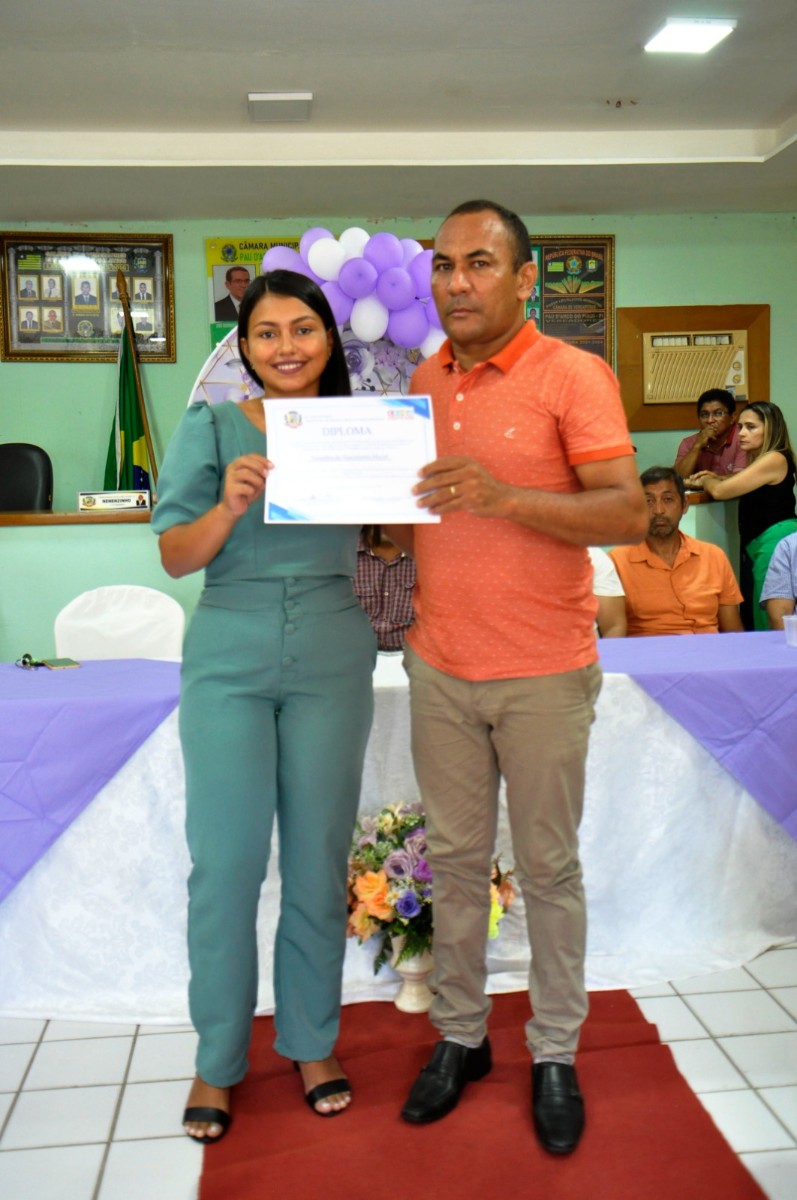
(677, 367)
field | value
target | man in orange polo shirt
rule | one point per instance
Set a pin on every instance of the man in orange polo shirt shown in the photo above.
(672, 582)
(535, 465)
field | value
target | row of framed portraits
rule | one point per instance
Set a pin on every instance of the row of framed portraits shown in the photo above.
(60, 296)
(60, 302)
(84, 291)
(46, 319)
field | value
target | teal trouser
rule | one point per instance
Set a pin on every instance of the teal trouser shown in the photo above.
(275, 711)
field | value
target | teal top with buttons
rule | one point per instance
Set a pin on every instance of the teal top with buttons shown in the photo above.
(191, 482)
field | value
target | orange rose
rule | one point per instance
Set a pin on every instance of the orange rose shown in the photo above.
(506, 893)
(361, 925)
(371, 888)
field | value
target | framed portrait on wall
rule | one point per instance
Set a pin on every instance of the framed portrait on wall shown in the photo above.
(573, 299)
(231, 264)
(59, 300)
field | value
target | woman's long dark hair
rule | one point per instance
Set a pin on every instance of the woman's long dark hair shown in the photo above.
(776, 434)
(334, 379)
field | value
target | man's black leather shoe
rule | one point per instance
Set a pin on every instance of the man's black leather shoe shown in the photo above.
(439, 1086)
(557, 1106)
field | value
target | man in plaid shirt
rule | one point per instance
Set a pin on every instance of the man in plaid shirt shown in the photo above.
(383, 585)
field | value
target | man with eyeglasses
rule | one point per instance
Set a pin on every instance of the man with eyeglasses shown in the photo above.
(715, 447)
(236, 281)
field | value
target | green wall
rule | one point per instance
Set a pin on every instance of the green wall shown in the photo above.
(746, 258)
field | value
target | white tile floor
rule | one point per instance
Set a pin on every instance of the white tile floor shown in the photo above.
(91, 1112)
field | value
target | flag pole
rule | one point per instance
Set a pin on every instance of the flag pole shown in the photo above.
(124, 299)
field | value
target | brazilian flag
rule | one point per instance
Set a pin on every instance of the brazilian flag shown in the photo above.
(127, 465)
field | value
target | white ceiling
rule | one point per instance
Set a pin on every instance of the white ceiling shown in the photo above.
(136, 109)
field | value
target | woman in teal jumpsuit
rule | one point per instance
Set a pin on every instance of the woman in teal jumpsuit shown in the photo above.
(275, 711)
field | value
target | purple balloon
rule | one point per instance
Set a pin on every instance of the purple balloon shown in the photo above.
(310, 273)
(408, 327)
(395, 288)
(421, 271)
(282, 258)
(357, 278)
(432, 315)
(339, 302)
(384, 251)
(310, 236)
(301, 268)
(410, 249)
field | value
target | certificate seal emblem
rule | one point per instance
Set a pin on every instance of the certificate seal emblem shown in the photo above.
(293, 419)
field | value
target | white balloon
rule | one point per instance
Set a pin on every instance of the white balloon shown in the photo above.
(369, 319)
(432, 342)
(353, 240)
(325, 257)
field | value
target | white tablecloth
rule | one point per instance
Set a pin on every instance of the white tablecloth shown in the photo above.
(685, 874)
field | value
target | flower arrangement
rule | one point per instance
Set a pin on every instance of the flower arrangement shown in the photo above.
(390, 883)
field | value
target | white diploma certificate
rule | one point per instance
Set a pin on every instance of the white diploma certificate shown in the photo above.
(347, 460)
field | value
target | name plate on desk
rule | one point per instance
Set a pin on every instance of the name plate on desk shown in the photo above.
(105, 501)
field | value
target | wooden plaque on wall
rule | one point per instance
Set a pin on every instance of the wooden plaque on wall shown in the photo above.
(634, 323)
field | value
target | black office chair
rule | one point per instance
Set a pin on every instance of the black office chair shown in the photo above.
(26, 478)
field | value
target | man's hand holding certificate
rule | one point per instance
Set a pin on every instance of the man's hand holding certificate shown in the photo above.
(348, 460)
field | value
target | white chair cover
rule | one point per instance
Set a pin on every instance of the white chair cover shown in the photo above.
(120, 621)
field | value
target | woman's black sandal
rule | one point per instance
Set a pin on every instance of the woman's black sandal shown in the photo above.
(213, 1116)
(332, 1087)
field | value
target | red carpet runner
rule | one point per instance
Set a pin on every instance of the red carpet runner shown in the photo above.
(647, 1136)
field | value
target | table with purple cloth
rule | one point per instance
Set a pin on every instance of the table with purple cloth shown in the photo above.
(736, 694)
(688, 859)
(63, 735)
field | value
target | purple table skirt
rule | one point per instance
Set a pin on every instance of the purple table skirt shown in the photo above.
(736, 693)
(112, 707)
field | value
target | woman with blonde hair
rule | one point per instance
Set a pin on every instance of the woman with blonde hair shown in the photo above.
(765, 491)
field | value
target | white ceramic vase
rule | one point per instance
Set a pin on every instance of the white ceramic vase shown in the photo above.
(414, 995)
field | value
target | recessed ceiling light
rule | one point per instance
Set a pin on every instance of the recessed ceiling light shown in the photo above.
(280, 106)
(683, 35)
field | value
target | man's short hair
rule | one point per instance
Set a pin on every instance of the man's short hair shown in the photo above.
(664, 475)
(516, 231)
(721, 396)
(231, 271)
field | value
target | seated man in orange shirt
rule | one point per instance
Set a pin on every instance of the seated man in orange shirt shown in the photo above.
(674, 583)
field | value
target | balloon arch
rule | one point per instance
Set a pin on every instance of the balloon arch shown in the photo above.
(379, 289)
(377, 283)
